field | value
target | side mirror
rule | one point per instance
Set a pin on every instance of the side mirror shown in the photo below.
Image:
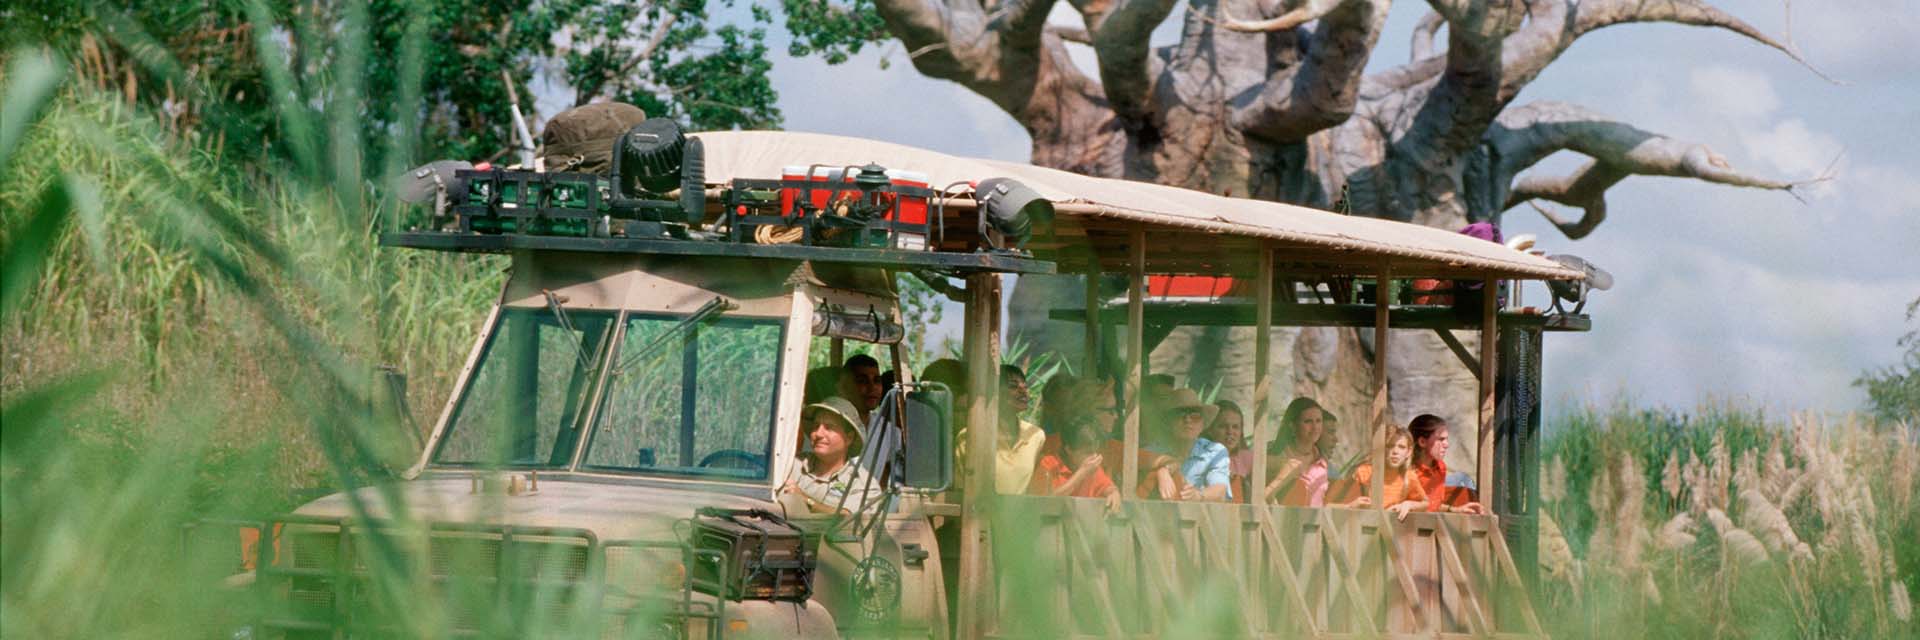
(927, 441)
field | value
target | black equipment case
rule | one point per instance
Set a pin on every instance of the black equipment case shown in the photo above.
(765, 557)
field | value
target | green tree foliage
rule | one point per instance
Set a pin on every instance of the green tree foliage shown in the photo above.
(832, 29)
(705, 64)
(1893, 393)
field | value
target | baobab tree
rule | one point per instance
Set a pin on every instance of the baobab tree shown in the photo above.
(1270, 99)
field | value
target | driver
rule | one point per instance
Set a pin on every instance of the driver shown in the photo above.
(829, 480)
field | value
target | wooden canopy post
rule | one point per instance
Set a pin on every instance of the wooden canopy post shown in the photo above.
(1489, 347)
(981, 337)
(1092, 323)
(1378, 491)
(1136, 359)
(1262, 358)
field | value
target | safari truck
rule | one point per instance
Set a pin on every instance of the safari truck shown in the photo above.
(612, 458)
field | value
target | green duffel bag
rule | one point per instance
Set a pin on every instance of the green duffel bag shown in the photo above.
(581, 139)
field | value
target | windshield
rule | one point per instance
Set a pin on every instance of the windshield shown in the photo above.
(522, 403)
(691, 399)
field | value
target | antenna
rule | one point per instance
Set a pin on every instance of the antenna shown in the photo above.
(520, 130)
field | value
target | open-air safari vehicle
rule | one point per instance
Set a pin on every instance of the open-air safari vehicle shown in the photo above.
(636, 395)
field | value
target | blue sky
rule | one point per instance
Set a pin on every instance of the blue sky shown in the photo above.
(1722, 293)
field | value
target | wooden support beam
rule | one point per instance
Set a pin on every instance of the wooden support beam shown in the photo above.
(837, 352)
(981, 342)
(1460, 351)
(1262, 382)
(1489, 348)
(1091, 324)
(1378, 420)
(1136, 361)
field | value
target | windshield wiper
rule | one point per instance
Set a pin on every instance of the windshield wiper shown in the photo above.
(704, 314)
(560, 315)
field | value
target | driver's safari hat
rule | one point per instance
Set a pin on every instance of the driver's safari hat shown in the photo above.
(843, 409)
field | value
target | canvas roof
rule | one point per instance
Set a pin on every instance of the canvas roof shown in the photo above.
(1187, 231)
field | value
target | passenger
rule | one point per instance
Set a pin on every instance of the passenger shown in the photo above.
(1154, 394)
(1402, 491)
(1229, 428)
(1299, 466)
(1085, 478)
(1203, 463)
(860, 382)
(1059, 405)
(829, 479)
(1017, 441)
(1430, 444)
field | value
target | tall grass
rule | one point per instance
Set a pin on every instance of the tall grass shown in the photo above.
(1728, 522)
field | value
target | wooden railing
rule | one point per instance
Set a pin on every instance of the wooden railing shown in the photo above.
(1065, 567)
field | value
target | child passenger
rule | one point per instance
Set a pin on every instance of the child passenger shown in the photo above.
(1075, 468)
(1402, 490)
(1229, 428)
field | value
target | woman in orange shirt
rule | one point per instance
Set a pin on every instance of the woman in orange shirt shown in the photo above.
(1403, 492)
(1430, 444)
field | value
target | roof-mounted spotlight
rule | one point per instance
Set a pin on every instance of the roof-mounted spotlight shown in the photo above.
(1012, 209)
(1575, 291)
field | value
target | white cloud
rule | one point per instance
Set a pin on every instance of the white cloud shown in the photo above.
(1793, 148)
(1885, 194)
(1742, 94)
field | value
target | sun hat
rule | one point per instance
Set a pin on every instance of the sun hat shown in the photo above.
(1184, 399)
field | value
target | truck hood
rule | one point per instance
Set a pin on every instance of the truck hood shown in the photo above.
(610, 511)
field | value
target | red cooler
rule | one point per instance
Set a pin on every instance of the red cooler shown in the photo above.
(911, 210)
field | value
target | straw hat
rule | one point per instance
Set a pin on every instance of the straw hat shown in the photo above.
(844, 410)
(1184, 399)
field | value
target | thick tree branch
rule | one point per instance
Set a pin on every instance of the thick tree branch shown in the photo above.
(1553, 26)
(1423, 32)
(1127, 67)
(1321, 90)
(1585, 188)
(1466, 99)
(1070, 34)
(1526, 135)
(996, 54)
(1305, 11)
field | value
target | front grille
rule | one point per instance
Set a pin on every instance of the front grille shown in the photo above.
(541, 584)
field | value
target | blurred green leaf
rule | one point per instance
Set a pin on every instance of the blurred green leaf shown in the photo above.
(28, 248)
(31, 78)
(26, 416)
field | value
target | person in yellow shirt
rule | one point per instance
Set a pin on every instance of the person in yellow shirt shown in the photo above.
(1018, 442)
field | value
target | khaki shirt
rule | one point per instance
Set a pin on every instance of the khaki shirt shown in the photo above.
(849, 481)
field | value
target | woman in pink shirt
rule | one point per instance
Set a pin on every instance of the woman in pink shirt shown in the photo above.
(1298, 465)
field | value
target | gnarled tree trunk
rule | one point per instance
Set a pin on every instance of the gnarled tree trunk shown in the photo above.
(1269, 100)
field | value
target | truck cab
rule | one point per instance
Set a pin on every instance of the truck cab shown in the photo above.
(609, 396)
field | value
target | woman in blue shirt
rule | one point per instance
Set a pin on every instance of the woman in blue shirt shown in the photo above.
(1206, 466)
